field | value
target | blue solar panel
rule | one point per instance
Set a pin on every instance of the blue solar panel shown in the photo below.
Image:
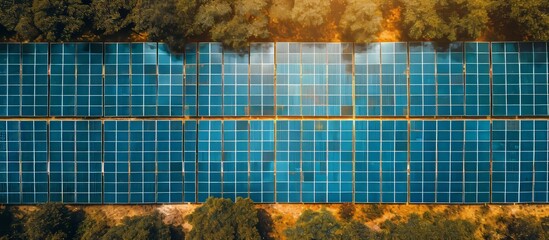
(235, 159)
(34, 161)
(368, 79)
(262, 100)
(288, 163)
(170, 82)
(34, 79)
(210, 79)
(423, 89)
(262, 156)
(477, 162)
(339, 156)
(367, 161)
(190, 158)
(477, 79)
(314, 91)
(144, 73)
(169, 161)
(10, 182)
(340, 79)
(210, 156)
(63, 79)
(117, 79)
(191, 80)
(394, 82)
(142, 161)
(450, 80)
(394, 156)
(235, 83)
(116, 162)
(89, 79)
(10, 79)
(288, 79)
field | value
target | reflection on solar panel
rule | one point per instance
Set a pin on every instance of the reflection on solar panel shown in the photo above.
(134, 123)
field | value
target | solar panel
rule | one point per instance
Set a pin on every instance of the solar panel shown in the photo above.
(117, 79)
(210, 157)
(144, 73)
(262, 156)
(191, 80)
(10, 79)
(190, 159)
(340, 79)
(367, 161)
(394, 161)
(235, 159)
(288, 164)
(288, 79)
(235, 83)
(169, 161)
(170, 82)
(450, 80)
(423, 89)
(142, 161)
(368, 79)
(210, 79)
(63, 79)
(477, 79)
(394, 82)
(477, 162)
(89, 79)
(116, 162)
(262, 100)
(34, 161)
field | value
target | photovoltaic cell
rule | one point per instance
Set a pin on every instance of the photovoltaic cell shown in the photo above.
(423, 146)
(394, 156)
(117, 79)
(288, 163)
(10, 79)
(235, 83)
(116, 157)
(368, 79)
(190, 158)
(62, 161)
(262, 100)
(34, 161)
(144, 82)
(262, 156)
(235, 159)
(314, 89)
(210, 158)
(89, 79)
(423, 89)
(288, 79)
(477, 79)
(339, 154)
(169, 161)
(34, 84)
(210, 79)
(142, 161)
(170, 82)
(477, 161)
(450, 80)
(63, 79)
(191, 80)
(340, 79)
(10, 182)
(394, 82)
(367, 161)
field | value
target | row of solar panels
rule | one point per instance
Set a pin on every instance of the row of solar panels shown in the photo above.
(390, 161)
(283, 79)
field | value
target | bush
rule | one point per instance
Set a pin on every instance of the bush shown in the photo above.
(346, 211)
(373, 211)
(140, 227)
(52, 221)
(522, 227)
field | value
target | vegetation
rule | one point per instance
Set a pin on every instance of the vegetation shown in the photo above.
(430, 227)
(347, 211)
(51, 221)
(220, 218)
(522, 227)
(238, 22)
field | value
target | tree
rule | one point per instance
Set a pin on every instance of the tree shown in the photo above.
(446, 20)
(163, 21)
(347, 211)
(430, 226)
(51, 221)
(111, 16)
(521, 19)
(220, 218)
(93, 227)
(522, 227)
(60, 20)
(314, 225)
(234, 23)
(311, 13)
(140, 227)
(361, 20)
(16, 17)
(356, 230)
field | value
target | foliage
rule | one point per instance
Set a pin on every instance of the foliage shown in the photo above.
(60, 20)
(373, 211)
(51, 221)
(265, 224)
(310, 13)
(526, 19)
(361, 20)
(356, 230)
(347, 211)
(445, 20)
(93, 227)
(140, 227)
(314, 225)
(162, 21)
(430, 227)
(220, 218)
(111, 16)
(522, 227)
(16, 17)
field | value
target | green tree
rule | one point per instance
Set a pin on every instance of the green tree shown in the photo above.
(139, 227)
(16, 17)
(430, 227)
(361, 20)
(111, 16)
(311, 14)
(51, 221)
(233, 22)
(446, 20)
(93, 227)
(522, 227)
(314, 225)
(60, 20)
(521, 19)
(162, 21)
(220, 218)
(356, 230)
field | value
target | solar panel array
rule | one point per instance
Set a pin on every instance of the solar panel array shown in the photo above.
(134, 123)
